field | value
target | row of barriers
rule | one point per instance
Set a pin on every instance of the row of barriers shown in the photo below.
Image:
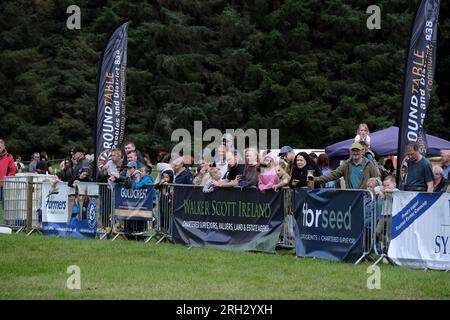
(22, 198)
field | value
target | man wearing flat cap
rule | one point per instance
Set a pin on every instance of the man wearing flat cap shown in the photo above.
(356, 170)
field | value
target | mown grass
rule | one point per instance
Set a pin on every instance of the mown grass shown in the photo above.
(35, 268)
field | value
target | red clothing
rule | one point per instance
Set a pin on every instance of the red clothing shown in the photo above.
(7, 167)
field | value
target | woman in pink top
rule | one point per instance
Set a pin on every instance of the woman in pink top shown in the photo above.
(269, 177)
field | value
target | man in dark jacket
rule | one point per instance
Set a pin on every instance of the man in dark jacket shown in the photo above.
(182, 174)
(84, 168)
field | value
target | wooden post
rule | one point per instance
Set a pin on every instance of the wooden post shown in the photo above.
(29, 203)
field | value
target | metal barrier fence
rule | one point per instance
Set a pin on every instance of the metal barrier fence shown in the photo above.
(20, 213)
(287, 236)
(106, 201)
(369, 225)
(15, 204)
(384, 228)
(164, 217)
(17, 207)
(163, 213)
(21, 203)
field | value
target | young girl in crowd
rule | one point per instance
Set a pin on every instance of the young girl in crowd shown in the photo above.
(284, 177)
(362, 134)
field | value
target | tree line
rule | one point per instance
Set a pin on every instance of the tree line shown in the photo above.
(310, 68)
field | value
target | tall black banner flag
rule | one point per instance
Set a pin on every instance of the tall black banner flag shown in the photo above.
(419, 77)
(111, 93)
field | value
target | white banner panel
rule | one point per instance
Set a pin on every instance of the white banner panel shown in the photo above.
(54, 203)
(421, 230)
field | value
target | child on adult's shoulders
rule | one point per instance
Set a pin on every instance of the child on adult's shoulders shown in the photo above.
(362, 134)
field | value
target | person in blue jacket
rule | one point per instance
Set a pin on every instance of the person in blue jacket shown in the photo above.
(143, 179)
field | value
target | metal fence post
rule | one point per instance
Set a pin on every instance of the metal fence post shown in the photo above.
(29, 203)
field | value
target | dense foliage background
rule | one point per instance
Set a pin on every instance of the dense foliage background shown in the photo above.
(310, 68)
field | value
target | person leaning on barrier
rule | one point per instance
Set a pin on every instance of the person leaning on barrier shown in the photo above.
(214, 175)
(142, 178)
(356, 171)
(287, 154)
(220, 159)
(420, 172)
(166, 178)
(384, 224)
(445, 157)
(127, 176)
(323, 162)
(374, 185)
(269, 178)
(66, 173)
(182, 174)
(84, 167)
(439, 183)
(303, 165)
(234, 173)
(283, 176)
(252, 170)
(112, 165)
(202, 176)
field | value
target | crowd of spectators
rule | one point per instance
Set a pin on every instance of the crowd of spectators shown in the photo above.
(227, 167)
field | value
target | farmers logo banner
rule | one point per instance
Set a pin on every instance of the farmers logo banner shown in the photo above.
(229, 218)
(134, 204)
(329, 224)
(419, 76)
(111, 93)
(66, 212)
(421, 230)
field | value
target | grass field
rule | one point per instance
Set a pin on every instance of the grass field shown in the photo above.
(35, 267)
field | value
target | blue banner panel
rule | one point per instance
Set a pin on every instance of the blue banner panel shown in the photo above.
(134, 204)
(229, 218)
(329, 224)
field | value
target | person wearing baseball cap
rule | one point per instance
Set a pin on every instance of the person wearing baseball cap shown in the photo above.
(356, 170)
(127, 175)
(287, 154)
(132, 164)
(84, 168)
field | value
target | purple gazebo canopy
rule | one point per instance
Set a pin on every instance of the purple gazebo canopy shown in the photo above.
(384, 142)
